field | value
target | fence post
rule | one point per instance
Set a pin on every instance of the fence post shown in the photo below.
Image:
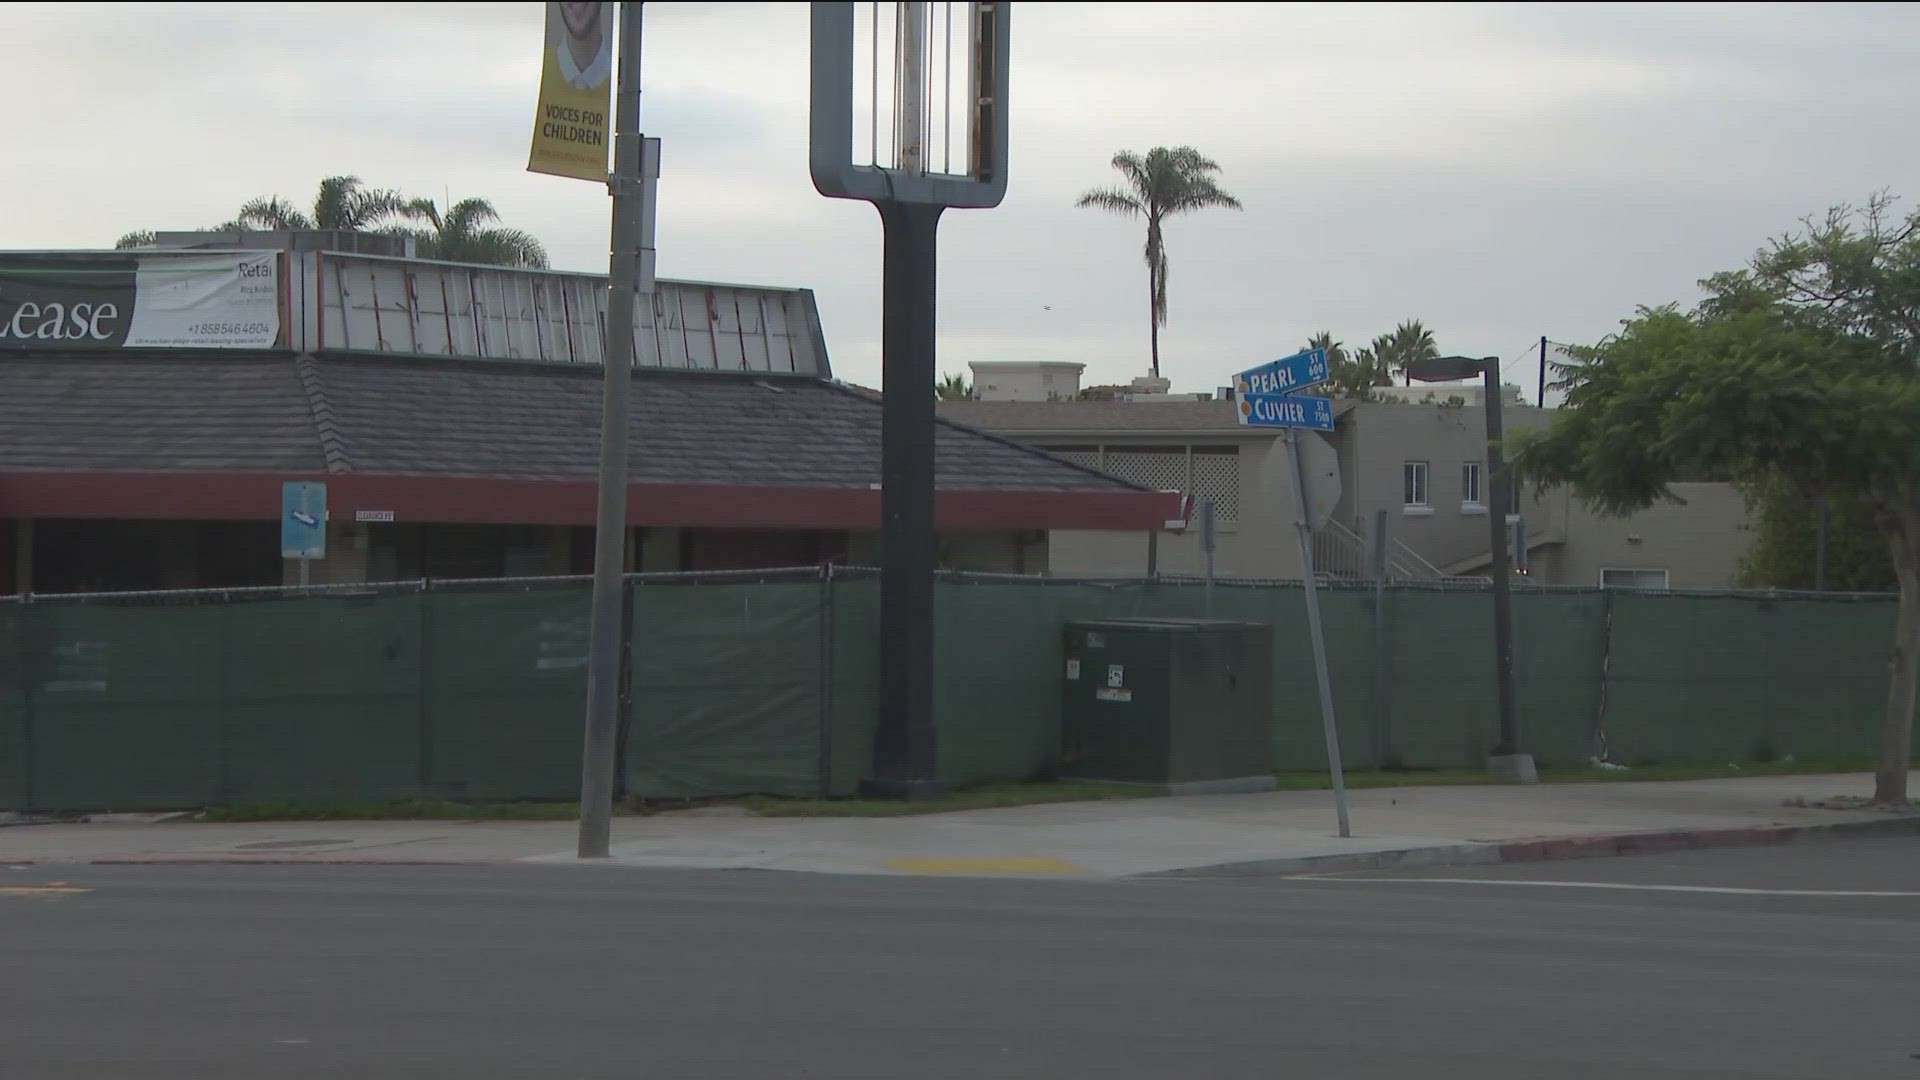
(825, 749)
(623, 730)
(30, 635)
(223, 714)
(423, 777)
(1382, 642)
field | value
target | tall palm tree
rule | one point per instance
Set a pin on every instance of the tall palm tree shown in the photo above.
(465, 233)
(1160, 184)
(342, 202)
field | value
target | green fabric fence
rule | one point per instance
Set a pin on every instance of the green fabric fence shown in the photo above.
(769, 684)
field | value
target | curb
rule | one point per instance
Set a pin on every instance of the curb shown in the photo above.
(217, 859)
(1552, 848)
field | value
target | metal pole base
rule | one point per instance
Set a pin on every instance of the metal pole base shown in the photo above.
(1513, 768)
(905, 790)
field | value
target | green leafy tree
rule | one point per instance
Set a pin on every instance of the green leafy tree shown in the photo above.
(1803, 369)
(468, 233)
(953, 388)
(1785, 541)
(135, 239)
(1160, 184)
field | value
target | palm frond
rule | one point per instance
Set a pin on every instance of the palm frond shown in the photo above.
(1112, 200)
(272, 213)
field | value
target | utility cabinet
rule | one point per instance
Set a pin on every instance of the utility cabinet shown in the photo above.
(1185, 705)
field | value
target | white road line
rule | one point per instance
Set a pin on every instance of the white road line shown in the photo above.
(1717, 889)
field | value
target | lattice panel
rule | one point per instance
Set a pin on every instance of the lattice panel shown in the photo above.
(1217, 477)
(1089, 459)
(1159, 470)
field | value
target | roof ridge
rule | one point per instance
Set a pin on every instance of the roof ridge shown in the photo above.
(332, 446)
(864, 395)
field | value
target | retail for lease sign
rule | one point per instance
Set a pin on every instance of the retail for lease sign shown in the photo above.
(146, 301)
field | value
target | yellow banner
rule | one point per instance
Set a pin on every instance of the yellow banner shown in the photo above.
(576, 84)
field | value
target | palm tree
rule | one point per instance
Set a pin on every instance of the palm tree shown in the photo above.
(1162, 183)
(342, 202)
(1348, 376)
(463, 234)
(1409, 343)
(953, 388)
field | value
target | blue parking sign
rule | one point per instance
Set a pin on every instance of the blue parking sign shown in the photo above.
(303, 520)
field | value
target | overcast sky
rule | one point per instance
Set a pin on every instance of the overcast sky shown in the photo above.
(1501, 172)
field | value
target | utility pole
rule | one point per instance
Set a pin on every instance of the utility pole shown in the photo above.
(1540, 395)
(1507, 760)
(627, 275)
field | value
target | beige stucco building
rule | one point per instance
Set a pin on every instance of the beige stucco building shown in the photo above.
(1420, 466)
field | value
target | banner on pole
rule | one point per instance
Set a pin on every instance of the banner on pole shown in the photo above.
(570, 129)
(147, 301)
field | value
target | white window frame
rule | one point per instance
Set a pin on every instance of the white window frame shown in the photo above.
(1666, 577)
(1423, 487)
(1473, 501)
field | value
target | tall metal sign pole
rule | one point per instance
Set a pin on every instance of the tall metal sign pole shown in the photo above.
(634, 164)
(1269, 397)
(910, 192)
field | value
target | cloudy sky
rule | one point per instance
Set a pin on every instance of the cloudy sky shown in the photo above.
(1501, 172)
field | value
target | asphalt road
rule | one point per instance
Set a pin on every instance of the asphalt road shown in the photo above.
(219, 972)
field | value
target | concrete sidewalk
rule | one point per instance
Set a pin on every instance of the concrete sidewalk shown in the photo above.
(1265, 833)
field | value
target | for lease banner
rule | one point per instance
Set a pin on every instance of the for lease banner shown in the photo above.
(576, 85)
(145, 301)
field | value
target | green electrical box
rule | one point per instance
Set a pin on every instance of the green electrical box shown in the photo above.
(1181, 704)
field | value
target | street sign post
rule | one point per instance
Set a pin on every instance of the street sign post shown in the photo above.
(303, 523)
(1269, 396)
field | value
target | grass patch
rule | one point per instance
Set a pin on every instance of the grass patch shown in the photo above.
(396, 810)
(982, 796)
(1580, 774)
(974, 797)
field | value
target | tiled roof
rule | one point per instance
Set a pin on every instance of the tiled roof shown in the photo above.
(133, 412)
(392, 416)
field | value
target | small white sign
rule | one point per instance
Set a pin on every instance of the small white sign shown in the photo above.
(1105, 694)
(1073, 669)
(373, 515)
(1116, 675)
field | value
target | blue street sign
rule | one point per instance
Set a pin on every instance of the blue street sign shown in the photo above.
(303, 520)
(1287, 375)
(1286, 411)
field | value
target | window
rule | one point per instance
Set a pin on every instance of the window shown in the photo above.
(1632, 577)
(1470, 485)
(1416, 484)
